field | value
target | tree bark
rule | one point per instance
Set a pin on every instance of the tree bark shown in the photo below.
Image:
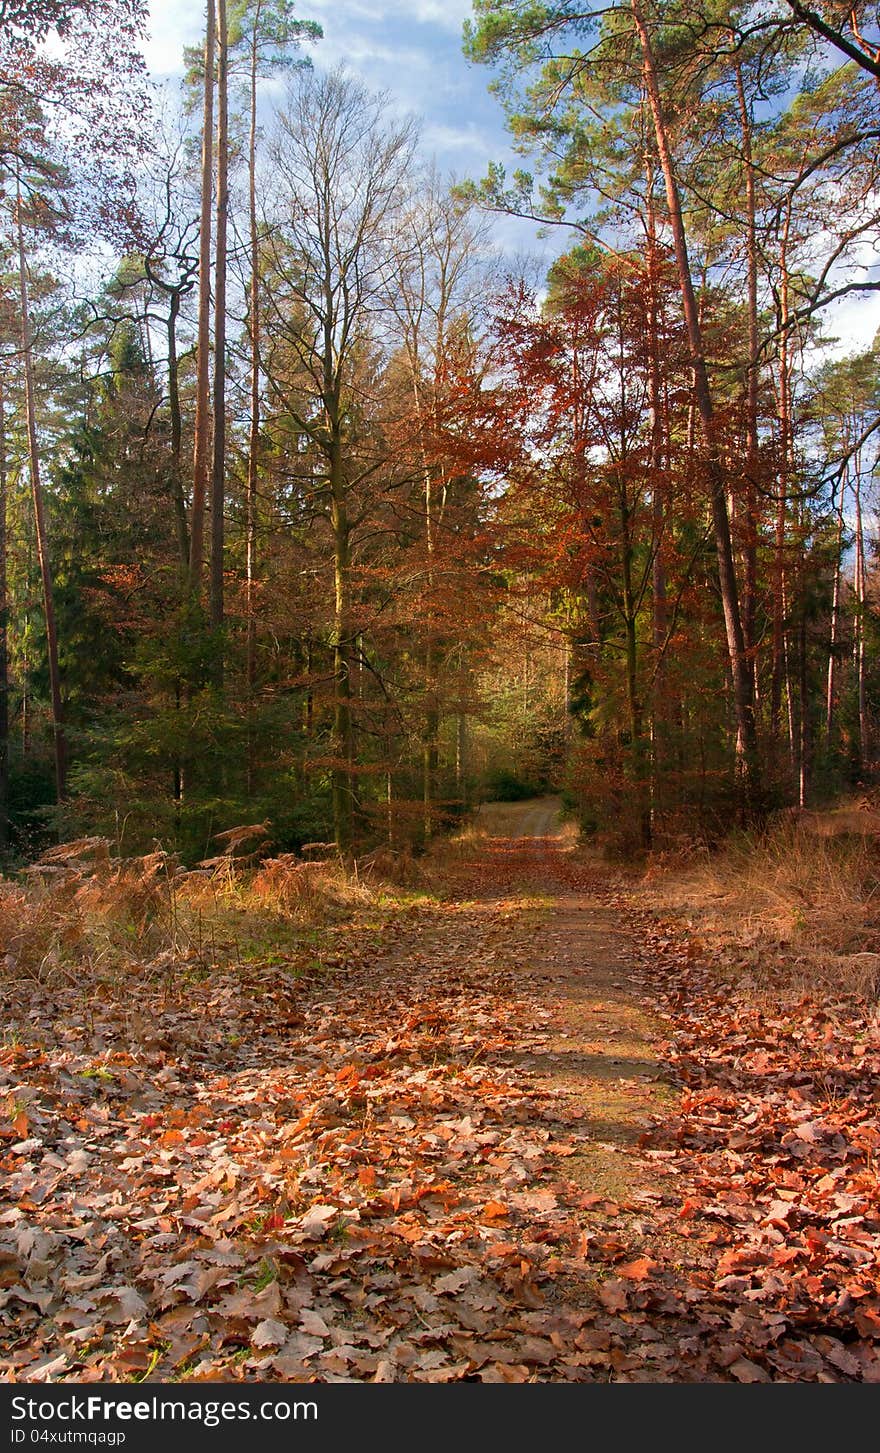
(656, 416)
(743, 696)
(861, 604)
(831, 683)
(780, 677)
(201, 448)
(752, 379)
(341, 783)
(4, 647)
(218, 464)
(254, 432)
(177, 495)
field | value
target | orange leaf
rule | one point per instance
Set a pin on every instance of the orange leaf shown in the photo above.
(637, 1270)
(493, 1211)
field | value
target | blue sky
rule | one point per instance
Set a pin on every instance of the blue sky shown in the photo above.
(412, 50)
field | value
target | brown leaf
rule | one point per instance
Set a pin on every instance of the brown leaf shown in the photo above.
(313, 1324)
(269, 1333)
(386, 1371)
(317, 1221)
(613, 1295)
(453, 1281)
(505, 1372)
(746, 1371)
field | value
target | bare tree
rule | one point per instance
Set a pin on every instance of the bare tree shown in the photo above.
(340, 162)
(440, 272)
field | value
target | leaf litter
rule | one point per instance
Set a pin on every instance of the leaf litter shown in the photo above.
(357, 1173)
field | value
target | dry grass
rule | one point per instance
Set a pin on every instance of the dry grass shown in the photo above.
(790, 906)
(78, 915)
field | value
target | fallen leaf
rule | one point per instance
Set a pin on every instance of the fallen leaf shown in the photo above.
(269, 1333)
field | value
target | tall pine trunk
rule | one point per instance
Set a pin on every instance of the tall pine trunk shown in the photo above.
(780, 676)
(177, 495)
(656, 416)
(343, 739)
(218, 463)
(743, 695)
(752, 380)
(4, 644)
(834, 630)
(254, 430)
(202, 442)
(861, 604)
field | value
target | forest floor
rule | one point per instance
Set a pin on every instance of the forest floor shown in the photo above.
(508, 1128)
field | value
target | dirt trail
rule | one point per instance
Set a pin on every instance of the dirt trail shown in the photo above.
(601, 1053)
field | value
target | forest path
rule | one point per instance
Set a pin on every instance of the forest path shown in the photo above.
(428, 1138)
(575, 954)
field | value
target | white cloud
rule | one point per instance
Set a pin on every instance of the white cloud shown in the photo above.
(438, 136)
(853, 323)
(446, 15)
(171, 27)
(362, 52)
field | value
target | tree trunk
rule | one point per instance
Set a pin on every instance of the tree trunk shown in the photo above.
(40, 527)
(254, 435)
(461, 788)
(201, 448)
(751, 490)
(746, 734)
(804, 735)
(342, 719)
(655, 417)
(780, 669)
(218, 466)
(4, 651)
(831, 684)
(177, 497)
(430, 754)
(656, 414)
(861, 605)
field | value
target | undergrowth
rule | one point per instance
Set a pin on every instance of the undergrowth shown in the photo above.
(80, 914)
(788, 906)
